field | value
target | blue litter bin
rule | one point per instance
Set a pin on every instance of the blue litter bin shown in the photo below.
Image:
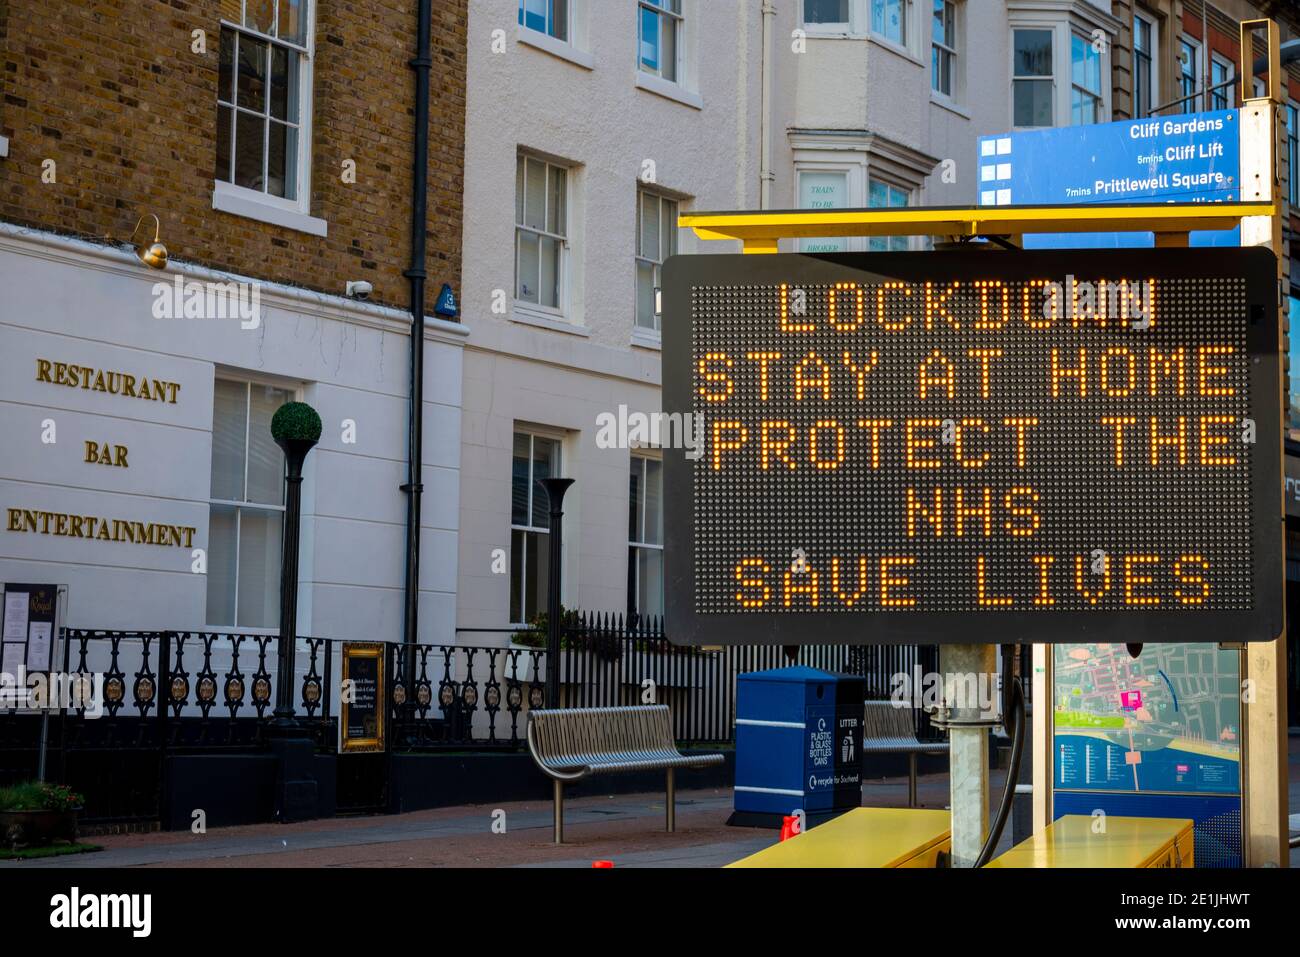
(798, 745)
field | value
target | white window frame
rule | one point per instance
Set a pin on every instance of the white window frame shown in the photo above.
(522, 20)
(639, 458)
(573, 49)
(254, 204)
(875, 176)
(1071, 16)
(1195, 104)
(534, 433)
(1102, 77)
(678, 19)
(1153, 62)
(651, 335)
(559, 313)
(947, 49)
(239, 507)
(907, 24)
(829, 27)
(1227, 93)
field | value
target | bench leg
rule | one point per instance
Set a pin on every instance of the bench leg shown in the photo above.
(559, 811)
(911, 779)
(670, 801)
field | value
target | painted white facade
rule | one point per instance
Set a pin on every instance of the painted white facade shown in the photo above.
(847, 99)
(78, 303)
(585, 105)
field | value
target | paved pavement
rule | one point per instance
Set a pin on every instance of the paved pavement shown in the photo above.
(626, 829)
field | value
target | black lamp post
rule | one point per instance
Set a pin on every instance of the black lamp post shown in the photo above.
(555, 489)
(296, 429)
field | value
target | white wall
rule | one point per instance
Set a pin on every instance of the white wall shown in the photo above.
(80, 303)
(596, 118)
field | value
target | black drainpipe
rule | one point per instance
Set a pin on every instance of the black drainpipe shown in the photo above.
(421, 64)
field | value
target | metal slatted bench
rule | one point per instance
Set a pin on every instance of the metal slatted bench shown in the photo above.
(888, 729)
(574, 743)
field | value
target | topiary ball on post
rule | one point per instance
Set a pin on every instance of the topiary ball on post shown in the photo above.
(296, 428)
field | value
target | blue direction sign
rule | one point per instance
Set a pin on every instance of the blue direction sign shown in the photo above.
(1192, 158)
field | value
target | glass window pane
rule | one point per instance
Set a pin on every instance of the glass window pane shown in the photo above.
(667, 229)
(517, 576)
(280, 160)
(519, 191)
(284, 84)
(650, 587)
(1033, 103)
(519, 482)
(221, 565)
(549, 278)
(249, 133)
(555, 214)
(634, 510)
(535, 194)
(259, 568)
(529, 264)
(226, 67)
(877, 194)
(538, 560)
(251, 83)
(560, 19)
(645, 294)
(1033, 53)
(826, 11)
(654, 494)
(224, 121)
(290, 24)
(229, 424)
(649, 225)
(259, 14)
(265, 459)
(668, 61)
(649, 40)
(533, 14)
(546, 464)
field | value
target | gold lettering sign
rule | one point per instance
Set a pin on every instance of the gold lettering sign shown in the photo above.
(68, 525)
(76, 376)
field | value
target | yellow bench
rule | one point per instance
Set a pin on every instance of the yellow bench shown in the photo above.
(864, 837)
(1127, 842)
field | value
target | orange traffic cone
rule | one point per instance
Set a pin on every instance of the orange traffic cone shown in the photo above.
(789, 827)
(602, 863)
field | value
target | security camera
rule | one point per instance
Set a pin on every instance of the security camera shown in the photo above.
(359, 289)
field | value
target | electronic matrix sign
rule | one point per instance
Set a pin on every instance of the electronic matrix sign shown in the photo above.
(973, 446)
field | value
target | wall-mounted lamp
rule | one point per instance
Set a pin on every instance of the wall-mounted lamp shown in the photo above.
(154, 254)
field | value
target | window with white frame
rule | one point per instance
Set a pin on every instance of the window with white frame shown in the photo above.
(246, 510)
(943, 46)
(656, 240)
(882, 194)
(1220, 91)
(541, 231)
(660, 38)
(550, 17)
(826, 14)
(264, 75)
(1032, 77)
(889, 19)
(645, 537)
(1145, 76)
(536, 457)
(1085, 81)
(1189, 72)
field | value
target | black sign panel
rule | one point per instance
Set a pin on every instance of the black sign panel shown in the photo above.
(363, 696)
(974, 446)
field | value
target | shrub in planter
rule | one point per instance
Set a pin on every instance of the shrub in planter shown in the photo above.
(38, 813)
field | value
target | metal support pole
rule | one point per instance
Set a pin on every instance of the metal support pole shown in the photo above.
(295, 451)
(966, 667)
(671, 801)
(559, 811)
(555, 489)
(911, 779)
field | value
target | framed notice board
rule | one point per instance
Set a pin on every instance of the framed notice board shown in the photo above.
(29, 631)
(363, 697)
(973, 446)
